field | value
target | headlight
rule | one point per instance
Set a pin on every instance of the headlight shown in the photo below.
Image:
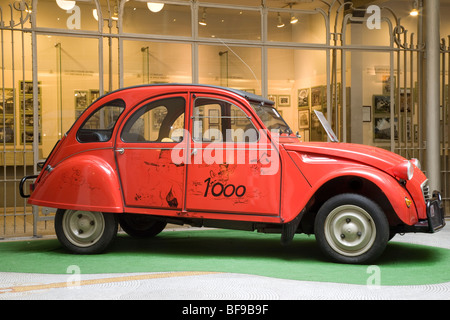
(416, 162)
(404, 170)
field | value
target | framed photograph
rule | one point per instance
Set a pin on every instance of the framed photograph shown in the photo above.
(284, 100)
(81, 99)
(274, 98)
(386, 83)
(7, 101)
(405, 101)
(7, 132)
(303, 119)
(303, 97)
(367, 113)
(381, 104)
(316, 96)
(382, 128)
(93, 95)
(213, 116)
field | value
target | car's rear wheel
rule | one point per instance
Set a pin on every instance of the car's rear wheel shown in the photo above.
(85, 232)
(351, 228)
(140, 225)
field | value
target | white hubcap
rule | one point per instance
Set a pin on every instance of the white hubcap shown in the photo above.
(83, 228)
(350, 230)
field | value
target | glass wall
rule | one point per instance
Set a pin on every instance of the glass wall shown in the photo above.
(156, 62)
(230, 66)
(68, 76)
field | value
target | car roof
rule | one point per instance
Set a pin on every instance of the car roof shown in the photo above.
(247, 95)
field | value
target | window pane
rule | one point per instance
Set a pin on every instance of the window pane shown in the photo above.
(234, 67)
(100, 125)
(156, 62)
(310, 27)
(68, 74)
(173, 20)
(158, 121)
(229, 23)
(69, 17)
(221, 121)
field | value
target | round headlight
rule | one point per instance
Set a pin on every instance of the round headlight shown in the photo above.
(410, 170)
(404, 170)
(416, 162)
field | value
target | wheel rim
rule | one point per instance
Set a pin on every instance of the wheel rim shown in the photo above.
(83, 228)
(350, 230)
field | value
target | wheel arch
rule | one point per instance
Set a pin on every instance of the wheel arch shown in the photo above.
(82, 182)
(348, 184)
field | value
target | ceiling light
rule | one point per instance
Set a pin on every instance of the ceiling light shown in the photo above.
(66, 4)
(415, 11)
(280, 23)
(294, 19)
(155, 7)
(202, 22)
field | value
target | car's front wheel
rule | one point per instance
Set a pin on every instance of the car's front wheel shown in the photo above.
(351, 228)
(85, 232)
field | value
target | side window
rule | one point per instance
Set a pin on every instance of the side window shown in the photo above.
(100, 125)
(157, 121)
(220, 121)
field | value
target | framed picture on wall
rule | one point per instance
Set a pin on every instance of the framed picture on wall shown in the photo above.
(316, 96)
(213, 116)
(274, 98)
(303, 119)
(405, 101)
(93, 95)
(382, 128)
(303, 97)
(284, 100)
(381, 104)
(367, 113)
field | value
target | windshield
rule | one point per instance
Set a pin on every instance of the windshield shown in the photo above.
(271, 118)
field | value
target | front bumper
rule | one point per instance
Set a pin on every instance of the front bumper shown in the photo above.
(435, 213)
(435, 217)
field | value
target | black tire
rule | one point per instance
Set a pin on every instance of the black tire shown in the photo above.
(85, 232)
(140, 225)
(351, 228)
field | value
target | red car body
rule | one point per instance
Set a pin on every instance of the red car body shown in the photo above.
(157, 154)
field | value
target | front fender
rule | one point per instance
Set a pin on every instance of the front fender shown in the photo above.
(322, 170)
(83, 182)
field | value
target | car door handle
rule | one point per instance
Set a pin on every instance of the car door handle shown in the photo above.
(120, 150)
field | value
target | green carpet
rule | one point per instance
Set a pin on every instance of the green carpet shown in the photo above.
(232, 252)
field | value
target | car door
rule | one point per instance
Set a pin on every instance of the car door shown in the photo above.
(148, 135)
(233, 167)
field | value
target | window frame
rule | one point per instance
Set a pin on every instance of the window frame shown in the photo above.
(94, 112)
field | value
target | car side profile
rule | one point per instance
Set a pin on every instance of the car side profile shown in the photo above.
(145, 156)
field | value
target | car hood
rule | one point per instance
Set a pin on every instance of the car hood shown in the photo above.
(373, 156)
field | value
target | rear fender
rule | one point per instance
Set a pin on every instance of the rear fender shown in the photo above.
(82, 182)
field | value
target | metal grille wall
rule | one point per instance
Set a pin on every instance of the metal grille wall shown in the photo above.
(18, 119)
